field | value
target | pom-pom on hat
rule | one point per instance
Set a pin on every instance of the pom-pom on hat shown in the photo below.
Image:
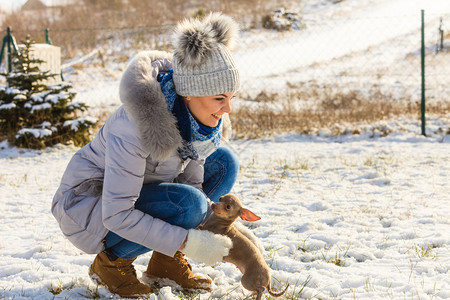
(202, 62)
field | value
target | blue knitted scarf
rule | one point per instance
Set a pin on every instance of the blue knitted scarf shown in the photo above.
(199, 141)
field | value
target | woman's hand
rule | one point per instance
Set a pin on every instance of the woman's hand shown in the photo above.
(205, 246)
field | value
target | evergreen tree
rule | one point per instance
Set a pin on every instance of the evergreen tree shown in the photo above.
(35, 115)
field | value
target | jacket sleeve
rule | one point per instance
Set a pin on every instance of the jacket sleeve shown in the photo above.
(193, 174)
(125, 164)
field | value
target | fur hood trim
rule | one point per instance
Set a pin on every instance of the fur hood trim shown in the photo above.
(146, 105)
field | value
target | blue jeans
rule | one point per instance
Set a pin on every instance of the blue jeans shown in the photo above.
(180, 204)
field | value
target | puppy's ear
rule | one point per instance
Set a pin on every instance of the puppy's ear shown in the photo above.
(247, 215)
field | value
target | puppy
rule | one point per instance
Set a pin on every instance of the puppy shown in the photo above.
(244, 254)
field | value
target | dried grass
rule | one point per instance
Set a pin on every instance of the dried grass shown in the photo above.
(339, 112)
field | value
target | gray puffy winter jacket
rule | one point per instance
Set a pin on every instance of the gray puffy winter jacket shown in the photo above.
(137, 145)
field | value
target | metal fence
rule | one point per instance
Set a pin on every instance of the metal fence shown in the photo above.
(368, 55)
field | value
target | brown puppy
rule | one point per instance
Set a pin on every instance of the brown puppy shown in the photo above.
(244, 254)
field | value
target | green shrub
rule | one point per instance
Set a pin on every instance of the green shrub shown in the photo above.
(36, 115)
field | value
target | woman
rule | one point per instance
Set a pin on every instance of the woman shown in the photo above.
(144, 182)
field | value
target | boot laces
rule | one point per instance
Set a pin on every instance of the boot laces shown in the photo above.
(126, 269)
(184, 264)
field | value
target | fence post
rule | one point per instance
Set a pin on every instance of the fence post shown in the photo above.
(8, 44)
(47, 38)
(441, 35)
(422, 105)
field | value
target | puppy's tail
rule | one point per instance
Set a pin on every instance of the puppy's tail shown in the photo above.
(279, 294)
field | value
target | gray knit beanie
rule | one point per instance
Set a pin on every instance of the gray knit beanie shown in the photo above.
(202, 62)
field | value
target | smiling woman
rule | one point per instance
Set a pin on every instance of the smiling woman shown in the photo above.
(147, 179)
(209, 110)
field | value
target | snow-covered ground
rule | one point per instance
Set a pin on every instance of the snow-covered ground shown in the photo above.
(342, 218)
(349, 217)
(352, 46)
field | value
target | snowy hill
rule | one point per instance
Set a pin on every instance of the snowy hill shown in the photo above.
(350, 45)
(10, 5)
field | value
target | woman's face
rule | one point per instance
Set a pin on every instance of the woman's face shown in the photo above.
(209, 109)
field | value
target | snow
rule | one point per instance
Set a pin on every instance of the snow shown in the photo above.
(10, 5)
(75, 124)
(56, 97)
(373, 26)
(377, 207)
(20, 97)
(40, 107)
(37, 132)
(343, 217)
(39, 97)
(12, 91)
(46, 124)
(8, 106)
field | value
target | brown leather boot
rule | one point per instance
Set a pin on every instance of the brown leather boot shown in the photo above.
(176, 269)
(118, 275)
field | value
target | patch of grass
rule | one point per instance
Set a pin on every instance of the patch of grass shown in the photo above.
(337, 111)
(198, 296)
(56, 289)
(298, 164)
(370, 162)
(338, 258)
(285, 172)
(289, 170)
(276, 286)
(48, 248)
(93, 292)
(377, 161)
(368, 285)
(306, 248)
(304, 165)
(271, 255)
(298, 289)
(426, 250)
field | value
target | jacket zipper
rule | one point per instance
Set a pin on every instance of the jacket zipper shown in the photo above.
(182, 167)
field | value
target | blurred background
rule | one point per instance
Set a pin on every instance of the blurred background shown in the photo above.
(306, 64)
